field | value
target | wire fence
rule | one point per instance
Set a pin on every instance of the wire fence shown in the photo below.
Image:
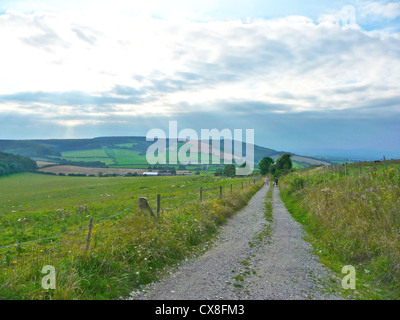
(361, 167)
(169, 203)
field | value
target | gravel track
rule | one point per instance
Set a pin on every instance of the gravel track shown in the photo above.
(281, 266)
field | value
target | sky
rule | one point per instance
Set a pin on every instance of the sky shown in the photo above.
(311, 77)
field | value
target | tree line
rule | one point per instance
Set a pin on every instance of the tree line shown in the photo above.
(282, 166)
(11, 163)
(267, 165)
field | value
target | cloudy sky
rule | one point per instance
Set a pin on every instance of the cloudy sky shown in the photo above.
(313, 77)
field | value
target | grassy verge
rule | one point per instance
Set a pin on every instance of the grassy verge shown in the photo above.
(125, 252)
(352, 218)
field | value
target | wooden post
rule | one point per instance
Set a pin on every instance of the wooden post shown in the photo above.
(16, 251)
(345, 168)
(384, 162)
(220, 192)
(89, 233)
(242, 185)
(360, 167)
(144, 206)
(201, 194)
(231, 189)
(254, 180)
(158, 205)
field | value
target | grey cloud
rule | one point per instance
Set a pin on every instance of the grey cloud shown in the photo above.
(190, 76)
(46, 38)
(76, 98)
(257, 59)
(349, 89)
(384, 106)
(126, 91)
(85, 36)
(253, 107)
(283, 131)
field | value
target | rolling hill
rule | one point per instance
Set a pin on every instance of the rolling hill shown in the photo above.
(116, 152)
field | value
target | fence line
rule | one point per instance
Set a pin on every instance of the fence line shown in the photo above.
(361, 166)
(99, 221)
(109, 217)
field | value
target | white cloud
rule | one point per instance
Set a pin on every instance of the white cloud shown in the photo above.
(385, 9)
(165, 64)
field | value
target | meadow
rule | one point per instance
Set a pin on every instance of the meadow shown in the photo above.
(44, 220)
(352, 217)
(119, 157)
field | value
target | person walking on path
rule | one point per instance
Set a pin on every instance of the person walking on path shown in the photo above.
(266, 181)
(276, 182)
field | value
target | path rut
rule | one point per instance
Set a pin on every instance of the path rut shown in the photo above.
(281, 266)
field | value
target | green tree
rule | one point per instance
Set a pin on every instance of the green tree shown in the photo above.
(284, 163)
(265, 165)
(12, 163)
(229, 170)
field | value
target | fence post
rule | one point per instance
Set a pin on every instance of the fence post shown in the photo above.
(345, 168)
(384, 162)
(16, 250)
(144, 206)
(360, 167)
(231, 189)
(220, 192)
(201, 194)
(158, 205)
(89, 233)
(254, 181)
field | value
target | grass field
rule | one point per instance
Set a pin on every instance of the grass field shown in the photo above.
(120, 157)
(92, 153)
(89, 155)
(353, 218)
(126, 157)
(127, 248)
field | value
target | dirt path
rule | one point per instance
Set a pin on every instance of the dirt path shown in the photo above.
(281, 266)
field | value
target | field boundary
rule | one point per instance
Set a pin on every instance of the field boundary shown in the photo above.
(34, 243)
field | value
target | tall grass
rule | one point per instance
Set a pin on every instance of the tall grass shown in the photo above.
(124, 252)
(353, 218)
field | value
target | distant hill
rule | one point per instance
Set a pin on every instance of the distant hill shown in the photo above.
(11, 163)
(118, 152)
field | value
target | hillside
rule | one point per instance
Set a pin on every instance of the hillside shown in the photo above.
(114, 152)
(10, 163)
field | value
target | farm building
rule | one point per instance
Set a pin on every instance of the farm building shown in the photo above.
(150, 173)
